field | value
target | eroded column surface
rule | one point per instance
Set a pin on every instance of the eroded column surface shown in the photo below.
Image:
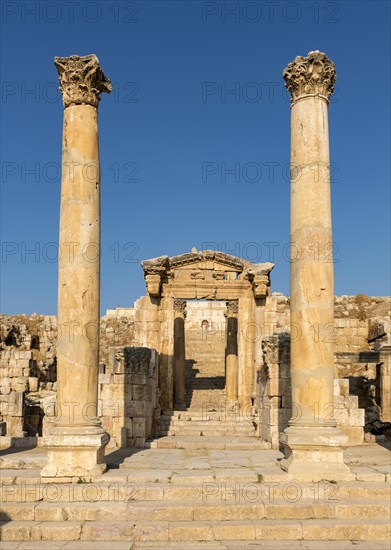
(232, 351)
(76, 443)
(313, 443)
(179, 352)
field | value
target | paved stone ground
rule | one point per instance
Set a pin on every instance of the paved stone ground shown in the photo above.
(369, 463)
(167, 481)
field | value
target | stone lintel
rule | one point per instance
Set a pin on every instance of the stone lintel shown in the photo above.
(360, 356)
(206, 291)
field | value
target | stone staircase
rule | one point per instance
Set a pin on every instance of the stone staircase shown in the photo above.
(205, 369)
(181, 499)
(209, 423)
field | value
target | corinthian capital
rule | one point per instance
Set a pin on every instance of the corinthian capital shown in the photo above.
(82, 79)
(232, 307)
(311, 75)
(180, 307)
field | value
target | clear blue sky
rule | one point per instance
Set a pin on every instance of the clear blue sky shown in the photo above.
(179, 60)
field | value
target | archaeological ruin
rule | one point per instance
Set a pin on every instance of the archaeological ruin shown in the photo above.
(209, 378)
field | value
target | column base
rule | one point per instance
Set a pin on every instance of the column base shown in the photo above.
(73, 456)
(315, 453)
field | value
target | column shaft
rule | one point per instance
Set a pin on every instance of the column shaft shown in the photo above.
(179, 352)
(232, 371)
(312, 274)
(313, 444)
(79, 269)
(76, 443)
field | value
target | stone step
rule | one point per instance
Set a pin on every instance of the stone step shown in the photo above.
(214, 364)
(207, 413)
(214, 442)
(209, 360)
(188, 511)
(221, 429)
(211, 384)
(201, 422)
(174, 432)
(198, 400)
(213, 368)
(202, 545)
(210, 419)
(162, 487)
(216, 397)
(190, 427)
(229, 431)
(258, 529)
(195, 350)
(207, 421)
(194, 425)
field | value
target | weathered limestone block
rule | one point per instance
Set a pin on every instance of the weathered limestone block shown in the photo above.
(378, 328)
(129, 397)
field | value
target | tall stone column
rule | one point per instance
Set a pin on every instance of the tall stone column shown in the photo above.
(232, 374)
(179, 352)
(313, 444)
(76, 443)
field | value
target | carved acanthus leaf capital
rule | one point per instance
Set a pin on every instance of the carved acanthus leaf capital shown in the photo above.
(311, 75)
(180, 307)
(232, 307)
(82, 79)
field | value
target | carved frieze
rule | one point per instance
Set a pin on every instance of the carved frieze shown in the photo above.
(197, 276)
(81, 79)
(313, 74)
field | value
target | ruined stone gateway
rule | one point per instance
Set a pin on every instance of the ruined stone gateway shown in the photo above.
(193, 414)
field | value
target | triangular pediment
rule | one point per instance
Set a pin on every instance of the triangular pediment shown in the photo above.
(205, 259)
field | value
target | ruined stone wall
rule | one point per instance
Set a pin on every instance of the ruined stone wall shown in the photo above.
(353, 314)
(28, 366)
(275, 407)
(362, 367)
(129, 396)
